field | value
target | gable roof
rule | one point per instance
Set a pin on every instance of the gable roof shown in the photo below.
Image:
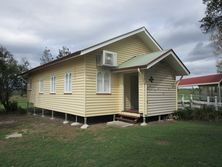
(142, 32)
(201, 80)
(148, 60)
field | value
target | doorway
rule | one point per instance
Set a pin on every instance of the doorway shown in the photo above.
(131, 91)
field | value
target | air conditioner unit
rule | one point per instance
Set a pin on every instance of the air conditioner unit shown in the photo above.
(107, 58)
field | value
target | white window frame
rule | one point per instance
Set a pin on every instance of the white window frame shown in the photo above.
(41, 86)
(103, 81)
(53, 84)
(68, 82)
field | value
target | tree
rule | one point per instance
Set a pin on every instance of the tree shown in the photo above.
(212, 22)
(46, 56)
(63, 52)
(10, 77)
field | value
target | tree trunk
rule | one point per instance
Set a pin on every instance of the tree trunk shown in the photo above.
(6, 105)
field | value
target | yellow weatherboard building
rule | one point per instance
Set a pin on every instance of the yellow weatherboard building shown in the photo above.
(129, 75)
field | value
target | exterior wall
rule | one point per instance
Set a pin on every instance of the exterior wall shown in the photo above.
(107, 104)
(68, 103)
(161, 93)
(84, 100)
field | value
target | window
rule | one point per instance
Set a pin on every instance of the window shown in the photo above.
(41, 86)
(29, 84)
(68, 83)
(53, 84)
(103, 82)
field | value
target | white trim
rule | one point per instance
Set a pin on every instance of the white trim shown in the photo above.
(90, 49)
(41, 86)
(53, 84)
(163, 57)
(69, 84)
(110, 78)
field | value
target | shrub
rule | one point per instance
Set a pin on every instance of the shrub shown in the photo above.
(205, 113)
(13, 105)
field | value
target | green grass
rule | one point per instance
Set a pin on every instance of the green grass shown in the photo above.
(169, 144)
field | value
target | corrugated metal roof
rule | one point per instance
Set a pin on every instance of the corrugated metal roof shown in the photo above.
(96, 46)
(142, 60)
(201, 80)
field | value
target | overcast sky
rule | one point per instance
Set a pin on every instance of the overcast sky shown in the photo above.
(28, 26)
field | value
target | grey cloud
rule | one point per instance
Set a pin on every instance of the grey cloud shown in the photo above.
(201, 51)
(32, 25)
(202, 67)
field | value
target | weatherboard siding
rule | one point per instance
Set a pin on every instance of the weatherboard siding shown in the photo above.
(67, 103)
(161, 94)
(107, 104)
(84, 100)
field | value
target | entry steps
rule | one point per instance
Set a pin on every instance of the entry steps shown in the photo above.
(128, 117)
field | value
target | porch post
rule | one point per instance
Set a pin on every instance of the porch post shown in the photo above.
(144, 93)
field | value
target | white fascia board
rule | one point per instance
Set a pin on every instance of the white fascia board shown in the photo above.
(174, 56)
(152, 39)
(90, 49)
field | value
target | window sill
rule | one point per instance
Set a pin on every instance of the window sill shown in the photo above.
(67, 93)
(52, 93)
(104, 93)
(41, 93)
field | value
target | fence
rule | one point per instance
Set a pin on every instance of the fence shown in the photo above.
(198, 101)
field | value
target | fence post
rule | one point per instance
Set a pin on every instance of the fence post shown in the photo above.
(216, 104)
(191, 101)
(208, 100)
(182, 100)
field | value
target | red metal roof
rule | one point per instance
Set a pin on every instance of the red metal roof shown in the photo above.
(201, 80)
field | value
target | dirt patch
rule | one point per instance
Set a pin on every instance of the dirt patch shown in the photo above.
(7, 122)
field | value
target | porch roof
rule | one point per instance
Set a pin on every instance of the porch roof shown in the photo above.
(148, 60)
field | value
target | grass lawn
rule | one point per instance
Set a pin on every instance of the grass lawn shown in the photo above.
(168, 144)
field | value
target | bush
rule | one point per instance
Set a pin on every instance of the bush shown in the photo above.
(13, 105)
(206, 113)
(14, 108)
